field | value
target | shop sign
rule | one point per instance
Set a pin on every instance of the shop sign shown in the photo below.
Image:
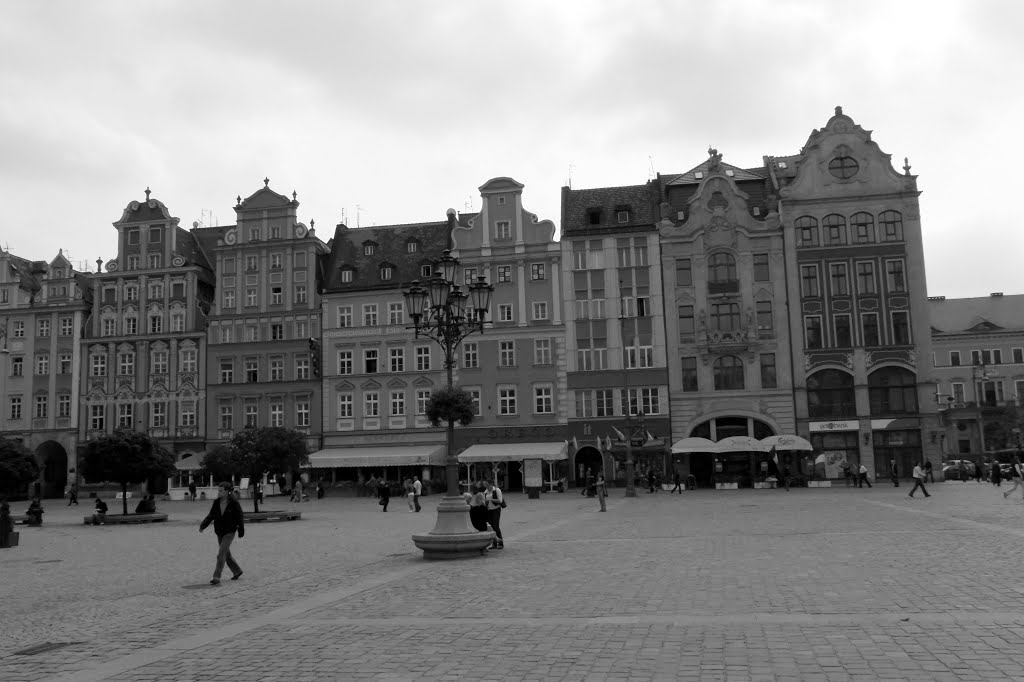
(533, 473)
(844, 425)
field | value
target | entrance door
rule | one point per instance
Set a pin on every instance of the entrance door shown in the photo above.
(702, 466)
(55, 468)
(587, 459)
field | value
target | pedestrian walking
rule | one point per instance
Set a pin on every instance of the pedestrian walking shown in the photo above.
(1015, 477)
(919, 481)
(997, 474)
(192, 490)
(928, 471)
(372, 485)
(586, 483)
(228, 520)
(785, 476)
(417, 490)
(677, 480)
(601, 492)
(478, 507)
(495, 501)
(407, 486)
(894, 473)
(73, 494)
(320, 490)
(977, 472)
(862, 477)
(383, 493)
(650, 481)
(847, 473)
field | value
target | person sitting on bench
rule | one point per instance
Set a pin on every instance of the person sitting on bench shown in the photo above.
(99, 516)
(147, 505)
(35, 513)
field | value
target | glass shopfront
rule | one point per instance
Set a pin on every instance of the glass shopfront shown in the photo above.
(901, 445)
(837, 446)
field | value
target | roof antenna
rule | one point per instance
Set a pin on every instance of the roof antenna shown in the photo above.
(650, 173)
(571, 166)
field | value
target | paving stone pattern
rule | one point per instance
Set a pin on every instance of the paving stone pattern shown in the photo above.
(825, 584)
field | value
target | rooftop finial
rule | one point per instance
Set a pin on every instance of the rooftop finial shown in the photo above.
(99, 264)
(295, 195)
(906, 166)
(839, 111)
(266, 182)
(147, 194)
(312, 223)
(239, 200)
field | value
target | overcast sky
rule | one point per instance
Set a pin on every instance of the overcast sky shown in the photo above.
(394, 111)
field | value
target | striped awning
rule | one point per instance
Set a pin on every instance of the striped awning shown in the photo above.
(383, 456)
(515, 452)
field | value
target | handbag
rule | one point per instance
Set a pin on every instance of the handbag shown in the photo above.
(381, 501)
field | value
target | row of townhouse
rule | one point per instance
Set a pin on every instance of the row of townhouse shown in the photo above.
(783, 299)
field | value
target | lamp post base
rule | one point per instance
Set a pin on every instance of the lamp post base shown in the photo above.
(453, 537)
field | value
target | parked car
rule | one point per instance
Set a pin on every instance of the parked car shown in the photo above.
(958, 470)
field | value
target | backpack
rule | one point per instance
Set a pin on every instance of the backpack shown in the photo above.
(494, 496)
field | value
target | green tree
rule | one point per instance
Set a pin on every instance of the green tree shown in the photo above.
(256, 453)
(450, 405)
(126, 457)
(18, 468)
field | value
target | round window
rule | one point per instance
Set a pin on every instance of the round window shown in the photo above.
(843, 167)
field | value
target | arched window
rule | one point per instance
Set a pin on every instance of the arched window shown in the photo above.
(892, 390)
(835, 229)
(890, 225)
(722, 268)
(728, 373)
(806, 231)
(863, 227)
(830, 394)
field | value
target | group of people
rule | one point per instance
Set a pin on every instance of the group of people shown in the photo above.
(412, 490)
(485, 504)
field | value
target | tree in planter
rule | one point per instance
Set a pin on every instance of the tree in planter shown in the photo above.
(450, 404)
(18, 468)
(257, 452)
(126, 457)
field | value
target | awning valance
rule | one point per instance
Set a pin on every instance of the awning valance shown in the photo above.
(515, 452)
(190, 463)
(384, 456)
(740, 444)
(694, 444)
(786, 443)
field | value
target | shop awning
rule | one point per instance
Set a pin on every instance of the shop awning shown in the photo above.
(740, 444)
(384, 456)
(900, 423)
(190, 463)
(515, 452)
(786, 443)
(693, 444)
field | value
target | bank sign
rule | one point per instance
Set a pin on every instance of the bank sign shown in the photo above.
(845, 425)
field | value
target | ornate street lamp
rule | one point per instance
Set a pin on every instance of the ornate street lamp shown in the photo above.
(439, 311)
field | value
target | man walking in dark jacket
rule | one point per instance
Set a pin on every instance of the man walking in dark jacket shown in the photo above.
(226, 517)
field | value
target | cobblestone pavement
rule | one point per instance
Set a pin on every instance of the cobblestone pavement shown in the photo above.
(810, 584)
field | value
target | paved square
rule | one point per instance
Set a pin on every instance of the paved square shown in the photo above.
(810, 584)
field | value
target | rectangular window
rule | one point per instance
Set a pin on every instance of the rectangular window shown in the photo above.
(537, 271)
(187, 413)
(396, 358)
(686, 322)
(423, 358)
(506, 353)
(277, 369)
(369, 314)
(98, 365)
(155, 291)
(468, 273)
(276, 296)
(344, 362)
(807, 235)
(345, 405)
(507, 400)
(277, 332)
(250, 297)
(302, 368)
(869, 328)
(396, 313)
(764, 315)
(505, 312)
(125, 415)
(131, 326)
(42, 407)
(504, 273)
(502, 230)
(894, 276)
(370, 357)
(684, 272)
(156, 324)
(954, 357)
(63, 405)
(126, 364)
(275, 261)
(18, 367)
(371, 404)
(866, 284)
(97, 417)
(997, 356)
(252, 372)
(160, 362)
(761, 268)
(42, 364)
(177, 322)
(300, 293)
(188, 360)
(470, 355)
(689, 365)
(277, 414)
(901, 328)
(229, 299)
(15, 411)
(158, 415)
(474, 394)
(1018, 356)
(65, 363)
(251, 263)
(543, 400)
(958, 394)
(302, 413)
(769, 376)
(109, 327)
(844, 334)
(542, 351)
(300, 329)
(812, 331)
(42, 327)
(227, 416)
(67, 326)
(840, 285)
(251, 414)
(133, 263)
(422, 398)
(19, 329)
(344, 316)
(397, 403)
(639, 356)
(976, 357)
(540, 310)
(809, 281)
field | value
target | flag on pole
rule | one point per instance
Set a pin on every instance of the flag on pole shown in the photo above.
(608, 442)
(649, 436)
(774, 456)
(575, 444)
(619, 434)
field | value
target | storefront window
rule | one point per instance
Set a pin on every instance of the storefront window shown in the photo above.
(900, 445)
(830, 394)
(838, 446)
(892, 390)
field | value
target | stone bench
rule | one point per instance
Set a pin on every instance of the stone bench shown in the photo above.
(130, 518)
(257, 517)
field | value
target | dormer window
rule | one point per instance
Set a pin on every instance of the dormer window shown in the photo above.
(412, 246)
(133, 236)
(154, 234)
(386, 272)
(426, 271)
(622, 214)
(368, 248)
(346, 275)
(501, 201)
(593, 216)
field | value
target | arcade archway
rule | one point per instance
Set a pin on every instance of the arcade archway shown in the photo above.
(587, 458)
(53, 460)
